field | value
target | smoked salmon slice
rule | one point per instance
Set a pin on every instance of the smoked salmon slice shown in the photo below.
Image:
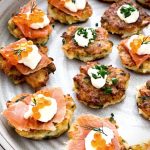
(15, 112)
(45, 61)
(138, 59)
(25, 29)
(79, 130)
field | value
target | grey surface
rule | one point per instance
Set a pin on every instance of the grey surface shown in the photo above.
(133, 127)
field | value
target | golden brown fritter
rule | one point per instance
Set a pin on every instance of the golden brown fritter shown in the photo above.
(111, 22)
(145, 3)
(110, 94)
(60, 127)
(143, 100)
(128, 62)
(65, 18)
(35, 80)
(100, 48)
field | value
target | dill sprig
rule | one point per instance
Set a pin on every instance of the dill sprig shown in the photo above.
(33, 6)
(100, 130)
(18, 52)
(34, 101)
(145, 40)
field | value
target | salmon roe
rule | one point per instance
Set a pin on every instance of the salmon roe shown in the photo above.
(40, 103)
(36, 16)
(136, 43)
(100, 144)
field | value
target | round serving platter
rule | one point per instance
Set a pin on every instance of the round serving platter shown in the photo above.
(132, 127)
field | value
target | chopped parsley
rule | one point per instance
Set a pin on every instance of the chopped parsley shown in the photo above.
(126, 11)
(34, 101)
(85, 33)
(102, 71)
(100, 130)
(111, 119)
(107, 90)
(114, 81)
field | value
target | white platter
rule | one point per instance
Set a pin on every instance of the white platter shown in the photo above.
(133, 128)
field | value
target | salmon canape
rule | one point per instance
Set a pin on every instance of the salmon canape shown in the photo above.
(44, 114)
(135, 53)
(31, 23)
(143, 100)
(69, 11)
(86, 44)
(125, 18)
(90, 132)
(99, 86)
(22, 61)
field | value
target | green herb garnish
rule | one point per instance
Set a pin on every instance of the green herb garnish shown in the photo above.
(34, 101)
(126, 11)
(145, 40)
(114, 81)
(18, 52)
(74, 1)
(53, 25)
(111, 119)
(102, 70)
(96, 24)
(63, 41)
(107, 90)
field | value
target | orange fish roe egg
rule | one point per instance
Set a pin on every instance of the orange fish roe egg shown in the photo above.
(40, 103)
(36, 16)
(100, 144)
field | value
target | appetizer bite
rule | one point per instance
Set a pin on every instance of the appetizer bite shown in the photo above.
(30, 23)
(69, 11)
(99, 86)
(45, 114)
(86, 44)
(125, 18)
(145, 3)
(135, 53)
(90, 132)
(143, 100)
(22, 61)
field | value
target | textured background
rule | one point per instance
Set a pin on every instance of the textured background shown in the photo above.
(133, 127)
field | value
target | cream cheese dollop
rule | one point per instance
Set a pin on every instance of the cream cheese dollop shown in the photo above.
(144, 49)
(32, 59)
(108, 136)
(84, 36)
(47, 112)
(75, 5)
(98, 82)
(133, 17)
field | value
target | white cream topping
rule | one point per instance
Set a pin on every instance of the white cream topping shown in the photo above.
(32, 59)
(146, 30)
(143, 49)
(46, 113)
(75, 5)
(83, 41)
(41, 25)
(130, 19)
(108, 136)
(100, 81)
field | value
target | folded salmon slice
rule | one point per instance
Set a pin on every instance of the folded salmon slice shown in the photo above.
(78, 135)
(15, 112)
(138, 59)
(27, 31)
(60, 4)
(45, 61)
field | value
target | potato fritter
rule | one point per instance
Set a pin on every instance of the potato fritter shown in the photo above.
(143, 100)
(100, 48)
(112, 23)
(65, 18)
(110, 94)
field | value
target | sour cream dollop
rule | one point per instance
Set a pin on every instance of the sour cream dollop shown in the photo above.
(46, 112)
(134, 13)
(84, 36)
(75, 5)
(32, 59)
(97, 82)
(108, 136)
